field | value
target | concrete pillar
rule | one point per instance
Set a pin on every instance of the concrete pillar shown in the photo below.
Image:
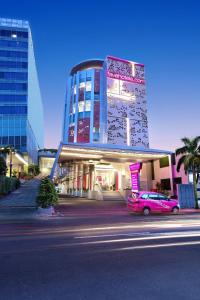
(81, 180)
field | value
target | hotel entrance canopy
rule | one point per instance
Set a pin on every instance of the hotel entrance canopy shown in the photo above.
(68, 152)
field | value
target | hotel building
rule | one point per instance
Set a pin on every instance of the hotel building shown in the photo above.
(105, 131)
(21, 110)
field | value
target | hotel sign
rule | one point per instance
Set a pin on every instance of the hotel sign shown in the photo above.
(123, 70)
(135, 172)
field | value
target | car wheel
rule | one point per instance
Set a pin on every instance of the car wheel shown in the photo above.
(146, 211)
(175, 210)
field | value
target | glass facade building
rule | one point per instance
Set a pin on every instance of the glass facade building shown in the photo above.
(106, 104)
(21, 110)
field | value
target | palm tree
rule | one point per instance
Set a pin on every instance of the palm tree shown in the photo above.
(190, 159)
(8, 150)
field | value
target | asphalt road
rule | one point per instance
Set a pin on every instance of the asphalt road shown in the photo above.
(98, 251)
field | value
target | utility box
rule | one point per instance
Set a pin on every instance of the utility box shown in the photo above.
(186, 195)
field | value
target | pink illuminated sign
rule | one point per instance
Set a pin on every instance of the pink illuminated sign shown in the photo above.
(135, 171)
(125, 70)
(125, 78)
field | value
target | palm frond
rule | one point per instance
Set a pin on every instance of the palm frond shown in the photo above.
(181, 150)
(186, 141)
(181, 162)
(196, 140)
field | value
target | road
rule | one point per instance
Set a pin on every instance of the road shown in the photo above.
(98, 251)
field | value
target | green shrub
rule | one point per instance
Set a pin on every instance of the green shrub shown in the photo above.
(33, 170)
(3, 167)
(47, 195)
(8, 184)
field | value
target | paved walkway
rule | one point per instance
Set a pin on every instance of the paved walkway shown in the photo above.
(21, 203)
(25, 196)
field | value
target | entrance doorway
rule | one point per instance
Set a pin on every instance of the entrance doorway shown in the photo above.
(106, 177)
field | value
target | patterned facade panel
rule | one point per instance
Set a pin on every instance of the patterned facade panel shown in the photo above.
(139, 133)
(117, 107)
(83, 133)
(123, 68)
(117, 130)
(139, 71)
(126, 99)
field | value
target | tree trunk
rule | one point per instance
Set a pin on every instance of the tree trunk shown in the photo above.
(195, 188)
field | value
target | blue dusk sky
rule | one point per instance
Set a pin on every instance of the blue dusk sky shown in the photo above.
(164, 35)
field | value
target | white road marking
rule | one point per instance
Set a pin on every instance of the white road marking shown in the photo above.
(110, 235)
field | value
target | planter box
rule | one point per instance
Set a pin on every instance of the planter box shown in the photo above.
(49, 211)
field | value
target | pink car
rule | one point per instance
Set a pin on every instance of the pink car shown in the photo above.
(147, 202)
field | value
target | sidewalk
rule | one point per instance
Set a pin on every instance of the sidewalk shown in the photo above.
(185, 211)
(21, 203)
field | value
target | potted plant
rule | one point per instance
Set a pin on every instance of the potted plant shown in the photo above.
(47, 197)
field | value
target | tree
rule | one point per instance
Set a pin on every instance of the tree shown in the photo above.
(33, 169)
(47, 195)
(3, 167)
(9, 150)
(190, 159)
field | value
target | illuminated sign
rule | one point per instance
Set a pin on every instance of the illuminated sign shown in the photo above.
(125, 70)
(135, 171)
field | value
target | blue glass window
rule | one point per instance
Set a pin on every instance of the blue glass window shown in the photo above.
(14, 75)
(86, 114)
(96, 136)
(14, 44)
(19, 54)
(13, 86)
(13, 98)
(14, 64)
(87, 95)
(13, 109)
(11, 33)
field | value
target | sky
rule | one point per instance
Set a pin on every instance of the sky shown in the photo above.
(164, 35)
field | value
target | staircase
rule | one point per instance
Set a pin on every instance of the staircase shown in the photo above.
(112, 196)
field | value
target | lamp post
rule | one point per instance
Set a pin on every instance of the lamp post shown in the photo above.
(10, 154)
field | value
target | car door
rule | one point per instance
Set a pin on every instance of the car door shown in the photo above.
(164, 203)
(155, 204)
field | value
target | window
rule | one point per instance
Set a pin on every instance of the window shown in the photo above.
(165, 184)
(96, 137)
(164, 162)
(82, 84)
(14, 64)
(96, 96)
(87, 105)
(144, 196)
(13, 98)
(74, 108)
(13, 109)
(13, 76)
(153, 197)
(163, 197)
(19, 54)
(13, 33)
(81, 94)
(13, 44)
(81, 106)
(88, 86)
(87, 95)
(13, 86)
